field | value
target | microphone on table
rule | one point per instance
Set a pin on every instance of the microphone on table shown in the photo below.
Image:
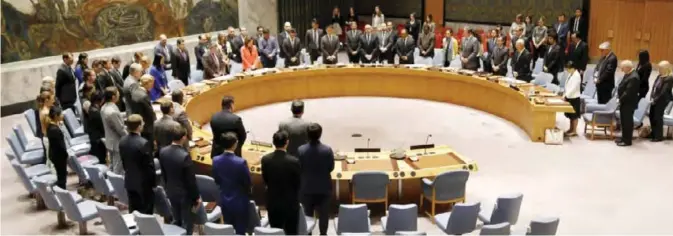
(368, 139)
(253, 141)
(425, 149)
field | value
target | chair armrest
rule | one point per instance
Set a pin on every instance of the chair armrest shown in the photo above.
(427, 182)
(604, 112)
(592, 107)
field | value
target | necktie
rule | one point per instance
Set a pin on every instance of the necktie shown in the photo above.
(577, 24)
(558, 28)
(656, 85)
(168, 54)
(315, 35)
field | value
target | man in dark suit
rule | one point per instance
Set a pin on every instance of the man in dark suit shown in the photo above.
(226, 121)
(405, 47)
(236, 45)
(66, 88)
(413, 26)
(553, 59)
(162, 127)
(426, 43)
(329, 45)
(561, 28)
(579, 24)
(116, 63)
(317, 161)
(353, 43)
(181, 65)
(499, 57)
(141, 105)
(604, 77)
(199, 50)
(295, 127)
(521, 62)
(387, 39)
(491, 44)
(232, 176)
(127, 68)
(281, 173)
(578, 53)
(470, 51)
(312, 40)
(282, 36)
(177, 170)
(213, 65)
(627, 92)
(138, 162)
(103, 78)
(370, 46)
(292, 50)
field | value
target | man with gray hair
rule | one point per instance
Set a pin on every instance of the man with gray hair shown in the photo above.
(369, 48)
(164, 50)
(521, 62)
(604, 76)
(130, 84)
(627, 93)
(283, 36)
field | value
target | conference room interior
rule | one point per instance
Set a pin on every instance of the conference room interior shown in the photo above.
(440, 119)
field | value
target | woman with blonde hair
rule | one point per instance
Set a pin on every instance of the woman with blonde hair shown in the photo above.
(660, 97)
(517, 24)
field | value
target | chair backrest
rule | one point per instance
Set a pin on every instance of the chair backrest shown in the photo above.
(589, 89)
(31, 119)
(538, 67)
(218, 229)
(507, 209)
(450, 185)
(268, 231)
(78, 107)
(353, 218)
(175, 84)
(68, 203)
(27, 183)
(611, 105)
(18, 130)
(401, 218)
(162, 205)
(70, 121)
(414, 233)
(641, 111)
(302, 221)
(669, 108)
(543, 226)
(463, 218)
(14, 144)
(147, 224)
(496, 229)
(370, 185)
(588, 75)
(207, 188)
(254, 219)
(79, 170)
(66, 135)
(98, 180)
(112, 220)
(48, 196)
(119, 187)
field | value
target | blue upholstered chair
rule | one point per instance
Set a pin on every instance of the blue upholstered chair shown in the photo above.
(44, 188)
(23, 157)
(75, 128)
(162, 205)
(496, 229)
(370, 187)
(26, 177)
(639, 114)
(411, 233)
(268, 231)
(254, 218)
(218, 229)
(114, 221)
(149, 225)
(447, 188)
(461, 220)
(306, 223)
(27, 145)
(543, 226)
(101, 184)
(601, 117)
(506, 209)
(352, 219)
(119, 187)
(32, 120)
(81, 212)
(400, 218)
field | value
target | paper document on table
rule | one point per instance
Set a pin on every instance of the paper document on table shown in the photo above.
(555, 101)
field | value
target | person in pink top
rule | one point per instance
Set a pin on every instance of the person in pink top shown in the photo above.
(249, 55)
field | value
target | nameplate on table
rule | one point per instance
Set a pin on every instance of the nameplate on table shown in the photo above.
(555, 102)
(260, 143)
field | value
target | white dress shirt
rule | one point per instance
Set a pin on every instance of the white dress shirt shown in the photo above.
(572, 89)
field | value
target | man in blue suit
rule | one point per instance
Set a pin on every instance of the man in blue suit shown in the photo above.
(233, 177)
(562, 29)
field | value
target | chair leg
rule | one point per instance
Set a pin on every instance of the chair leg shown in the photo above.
(39, 201)
(432, 208)
(421, 203)
(60, 220)
(199, 229)
(110, 200)
(221, 220)
(82, 228)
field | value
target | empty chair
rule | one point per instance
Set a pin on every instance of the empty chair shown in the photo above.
(448, 187)
(306, 223)
(162, 205)
(31, 118)
(639, 113)
(218, 229)
(26, 158)
(208, 189)
(461, 220)
(496, 229)
(254, 218)
(101, 184)
(80, 212)
(78, 146)
(352, 219)
(203, 216)
(25, 178)
(74, 127)
(506, 209)
(411, 233)
(27, 145)
(537, 69)
(175, 85)
(370, 187)
(114, 221)
(119, 187)
(31, 171)
(43, 186)
(149, 225)
(268, 231)
(543, 226)
(603, 118)
(400, 218)
(542, 79)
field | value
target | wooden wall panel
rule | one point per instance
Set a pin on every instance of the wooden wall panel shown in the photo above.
(658, 33)
(601, 24)
(628, 29)
(436, 8)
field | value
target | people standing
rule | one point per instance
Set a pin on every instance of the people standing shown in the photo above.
(81, 65)
(490, 49)
(353, 43)
(138, 161)
(250, 55)
(405, 48)
(213, 64)
(226, 121)
(518, 24)
(499, 57)
(200, 50)
(232, 176)
(181, 65)
(644, 70)
(113, 124)
(660, 97)
(329, 45)
(521, 62)
(426, 43)
(469, 55)
(160, 87)
(141, 104)
(413, 26)
(58, 154)
(292, 50)
(281, 173)
(295, 127)
(66, 88)
(572, 96)
(539, 40)
(553, 58)
(627, 93)
(95, 128)
(387, 42)
(562, 31)
(579, 25)
(163, 126)
(450, 47)
(378, 18)
(578, 53)
(165, 50)
(312, 40)
(268, 49)
(604, 76)
(370, 46)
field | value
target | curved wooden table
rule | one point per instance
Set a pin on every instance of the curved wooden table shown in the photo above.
(478, 93)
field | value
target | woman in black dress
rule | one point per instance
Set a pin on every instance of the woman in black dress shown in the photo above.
(58, 154)
(644, 71)
(95, 128)
(352, 16)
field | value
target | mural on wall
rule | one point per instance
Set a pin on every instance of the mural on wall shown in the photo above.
(504, 11)
(39, 28)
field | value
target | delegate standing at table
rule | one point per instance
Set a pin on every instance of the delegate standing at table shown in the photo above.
(490, 48)
(579, 55)
(604, 76)
(329, 46)
(163, 125)
(268, 47)
(553, 60)
(141, 104)
(426, 43)
(181, 65)
(226, 121)
(232, 176)
(157, 71)
(499, 57)
(295, 127)
(521, 62)
(66, 90)
(138, 161)
(450, 47)
(291, 49)
(660, 97)
(281, 173)
(353, 43)
(405, 47)
(387, 40)
(370, 44)
(317, 161)
(113, 125)
(213, 65)
(313, 40)
(470, 51)
(627, 92)
(572, 96)
(249, 55)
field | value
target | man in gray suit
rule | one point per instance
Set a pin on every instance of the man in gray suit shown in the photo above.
(295, 127)
(179, 114)
(470, 51)
(163, 126)
(113, 124)
(313, 40)
(164, 50)
(130, 84)
(268, 49)
(329, 45)
(353, 43)
(405, 47)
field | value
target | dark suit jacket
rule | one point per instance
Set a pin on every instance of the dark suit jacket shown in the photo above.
(413, 29)
(606, 71)
(627, 92)
(236, 45)
(66, 90)
(138, 163)
(661, 90)
(579, 55)
(289, 50)
(309, 39)
(281, 39)
(329, 46)
(127, 70)
(199, 50)
(371, 46)
(553, 59)
(353, 41)
(94, 127)
(644, 72)
(562, 31)
(222, 122)
(281, 173)
(181, 65)
(499, 58)
(317, 161)
(177, 169)
(232, 176)
(583, 30)
(210, 66)
(405, 47)
(162, 129)
(57, 148)
(521, 65)
(426, 42)
(141, 104)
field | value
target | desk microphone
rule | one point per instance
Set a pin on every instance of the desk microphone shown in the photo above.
(425, 149)
(253, 141)
(368, 139)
